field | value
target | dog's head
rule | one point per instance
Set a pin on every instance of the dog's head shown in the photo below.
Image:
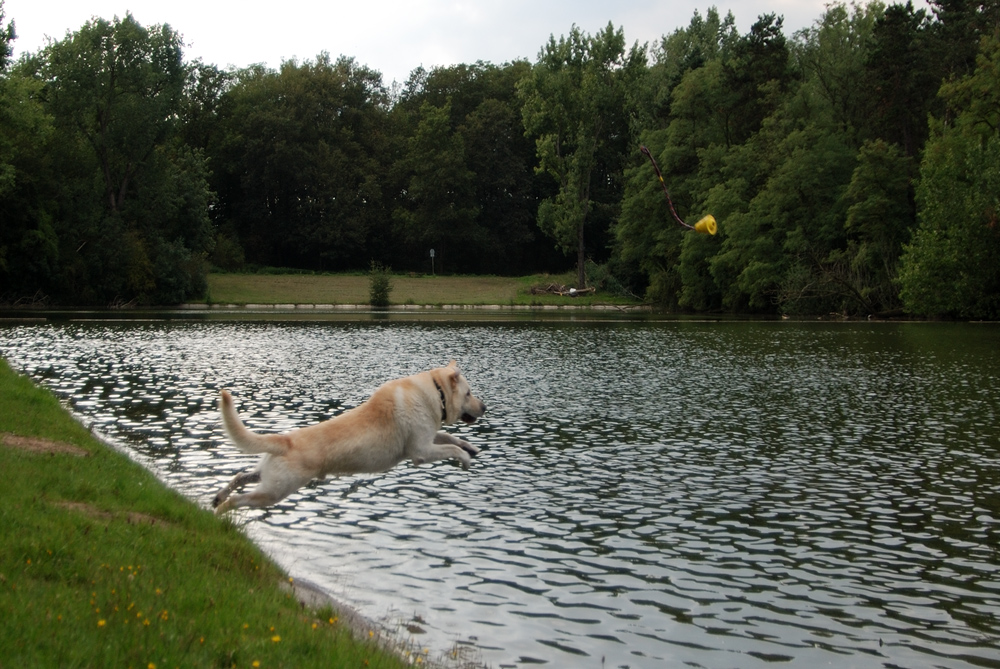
(459, 402)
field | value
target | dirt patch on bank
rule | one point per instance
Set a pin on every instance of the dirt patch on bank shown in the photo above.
(131, 517)
(38, 445)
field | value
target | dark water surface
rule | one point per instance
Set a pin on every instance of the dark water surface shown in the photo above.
(653, 494)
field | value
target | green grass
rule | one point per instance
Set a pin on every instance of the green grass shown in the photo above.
(407, 289)
(102, 565)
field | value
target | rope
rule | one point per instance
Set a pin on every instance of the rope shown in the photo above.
(673, 211)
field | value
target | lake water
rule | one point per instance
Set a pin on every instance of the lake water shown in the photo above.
(648, 494)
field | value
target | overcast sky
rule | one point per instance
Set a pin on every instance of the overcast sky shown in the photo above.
(391, 36)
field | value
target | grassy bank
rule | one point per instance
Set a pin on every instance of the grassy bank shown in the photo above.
(102, 565)
(422, 290)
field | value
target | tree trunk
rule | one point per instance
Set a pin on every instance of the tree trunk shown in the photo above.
(581, 276)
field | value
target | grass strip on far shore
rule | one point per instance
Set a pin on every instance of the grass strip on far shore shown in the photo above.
(340, 289)
(103, 565)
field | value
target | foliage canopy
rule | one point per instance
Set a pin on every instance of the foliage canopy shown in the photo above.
(126, 171)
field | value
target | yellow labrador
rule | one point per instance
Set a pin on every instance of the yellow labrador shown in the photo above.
(399, 421)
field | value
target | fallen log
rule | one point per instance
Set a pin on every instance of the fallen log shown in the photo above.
(558, 289)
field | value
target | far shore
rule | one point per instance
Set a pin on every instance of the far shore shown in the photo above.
(407, 292)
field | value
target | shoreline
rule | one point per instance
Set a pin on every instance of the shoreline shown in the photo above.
(198, 306)
(266, 311)
(94, 483)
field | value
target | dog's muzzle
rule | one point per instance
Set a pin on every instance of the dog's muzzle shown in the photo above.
(467, 417)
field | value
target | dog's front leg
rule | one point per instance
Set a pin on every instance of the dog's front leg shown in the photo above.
(435, 452)
(445, 438)
(442, 447)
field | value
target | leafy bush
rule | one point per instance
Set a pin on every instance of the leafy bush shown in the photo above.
(379, 284)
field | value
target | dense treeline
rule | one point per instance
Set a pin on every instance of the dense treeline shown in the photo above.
(854, 167)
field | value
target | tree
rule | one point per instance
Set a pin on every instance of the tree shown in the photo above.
(133, 203)
(119, 85)
(880, 215)
(715, 157)
(705, 40)
(296, 162)
(438, 209)
(485, 112)
(7, 36)
(203, 93)
(506, 192)
(686, 151)
(952, 265)
(899, 78)
(774, 254)
(831, 57)
(756, 77)
(29, 250)
(576, 107)
(959, 25)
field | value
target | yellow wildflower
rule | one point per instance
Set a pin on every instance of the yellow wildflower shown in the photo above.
(101, 622)
(276, 638)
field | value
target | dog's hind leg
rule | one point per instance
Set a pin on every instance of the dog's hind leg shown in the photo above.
(257, 498)
(276, 483)
(240, 480)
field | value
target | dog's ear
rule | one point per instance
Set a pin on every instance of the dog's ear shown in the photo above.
(453, 363)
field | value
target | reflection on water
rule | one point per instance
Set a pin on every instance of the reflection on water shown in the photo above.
(717, 495)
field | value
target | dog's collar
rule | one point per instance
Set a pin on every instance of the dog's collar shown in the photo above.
(444, 409)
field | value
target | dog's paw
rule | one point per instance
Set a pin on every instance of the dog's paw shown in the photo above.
(221, 506)
(468, 448)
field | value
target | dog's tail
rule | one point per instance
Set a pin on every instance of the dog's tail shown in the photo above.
(245, 440)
